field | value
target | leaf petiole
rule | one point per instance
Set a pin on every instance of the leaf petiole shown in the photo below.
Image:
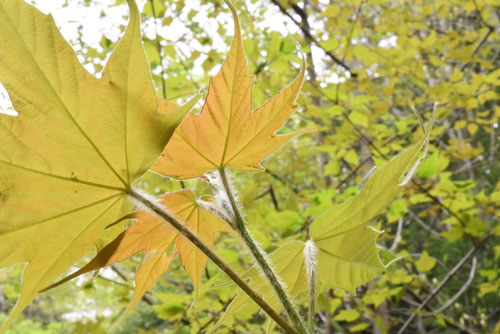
(163, 213)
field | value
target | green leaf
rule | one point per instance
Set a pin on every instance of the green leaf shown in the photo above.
(475, 227)
(347, 252)
(331, 11)
(453, 234)
(154, 8)
(425, 262)
(432, 166)
(287, 45)
(347, 315)
(359, 118)
(359, 327)
(330, 44)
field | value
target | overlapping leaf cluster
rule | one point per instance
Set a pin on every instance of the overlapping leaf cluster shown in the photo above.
(79, 143)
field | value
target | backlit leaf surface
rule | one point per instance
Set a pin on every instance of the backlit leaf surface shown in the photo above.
(347, 251)
(78, 142)
(227, 133)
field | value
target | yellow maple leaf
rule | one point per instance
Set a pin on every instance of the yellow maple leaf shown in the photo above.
(152, 235)
(75, 147)
(227, 133)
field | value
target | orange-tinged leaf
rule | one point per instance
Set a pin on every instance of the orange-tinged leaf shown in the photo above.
(205, 225)
(147, 275)
(154, 236)
(227, 133)
(148, 234)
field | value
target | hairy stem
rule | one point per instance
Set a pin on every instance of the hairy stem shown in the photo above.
(260, 258)
(312, 300)
(310, 259)
(160, 211)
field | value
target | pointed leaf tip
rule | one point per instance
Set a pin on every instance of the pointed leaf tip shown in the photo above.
(348, 255)
(227, 133)
(73, 134)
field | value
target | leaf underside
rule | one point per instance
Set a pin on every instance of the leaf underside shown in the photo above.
(227, 133)
(77, 143)
(347, 252)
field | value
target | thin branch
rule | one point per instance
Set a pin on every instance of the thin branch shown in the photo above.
(483, 40)
(179, 226)
(145, 298)
(270, 190)
(282, 181)
(274, 198)
(215, 315)
(309, 36)
(491, 29)
(461, 291)
(353, 172)
(397, 237)
(445, 280)
(424, 225)
(348, 44)
(186, 68)
(483, 20)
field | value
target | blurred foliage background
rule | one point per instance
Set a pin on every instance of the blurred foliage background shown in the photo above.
(369, 63)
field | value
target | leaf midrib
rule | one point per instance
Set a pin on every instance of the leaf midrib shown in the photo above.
(65, 178)
(327, 235)
(358, 263)
(83, 207)
(237, 37)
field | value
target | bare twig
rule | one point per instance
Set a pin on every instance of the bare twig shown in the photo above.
(424, 225)
(308, 34)
(461, 291)
(270, 190)
(282, 181)
(215, 315)
(160, 51)
(125, 278)
(445, 280)
(397, 237)
(491, 29)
